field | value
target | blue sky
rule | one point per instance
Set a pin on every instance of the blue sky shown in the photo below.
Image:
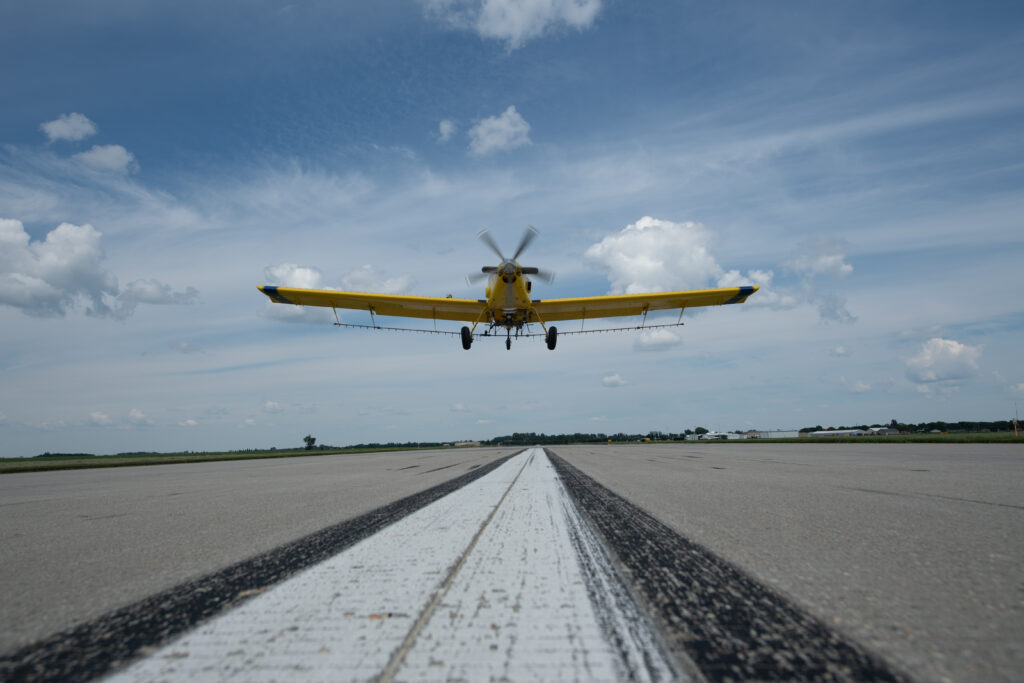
(860, 161)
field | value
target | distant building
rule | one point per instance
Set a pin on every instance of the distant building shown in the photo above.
(882, 431)
(777, 434)
(839, 432)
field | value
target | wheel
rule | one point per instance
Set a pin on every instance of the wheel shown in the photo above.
(552, 337)
(508, 343)
(467, 338)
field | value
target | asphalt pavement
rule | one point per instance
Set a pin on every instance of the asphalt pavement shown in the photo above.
(909, 556)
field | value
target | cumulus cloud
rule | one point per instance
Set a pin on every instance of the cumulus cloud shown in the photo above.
(446, 130)
(48, 278)
(613, 380)
(943, 364)
(138, 418)
(188, 423)
(72, 126)
(100, 419)
(514, 21)
(151, 291)
(499, 133)
(369, 279)
(857, 386)
(460, 408)
(822, 256)
(293, 275)
(656, 340)
(272, 407)
(767, 295)
(656, 255)
(838, 352)
(109, 158)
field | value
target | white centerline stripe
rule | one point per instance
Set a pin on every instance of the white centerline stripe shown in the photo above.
(484, 583)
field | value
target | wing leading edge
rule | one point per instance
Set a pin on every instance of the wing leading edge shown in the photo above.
(637, 304)
(437, 308)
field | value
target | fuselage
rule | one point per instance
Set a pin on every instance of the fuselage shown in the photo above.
(508, 297)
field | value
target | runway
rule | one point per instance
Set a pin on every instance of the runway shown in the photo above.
(820, 561)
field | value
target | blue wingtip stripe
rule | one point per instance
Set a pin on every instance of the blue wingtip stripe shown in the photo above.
(271, 291)
(743, 294)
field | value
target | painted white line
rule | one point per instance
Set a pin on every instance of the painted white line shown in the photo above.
(486, 582)
(520, 608)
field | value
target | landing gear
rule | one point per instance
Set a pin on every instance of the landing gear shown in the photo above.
(467, 338)
(552, 337)
(508, 343)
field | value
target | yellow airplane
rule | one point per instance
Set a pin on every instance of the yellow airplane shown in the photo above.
(508, 302)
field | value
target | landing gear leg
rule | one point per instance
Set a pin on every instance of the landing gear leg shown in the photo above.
(467, 338)
(552, 337)
(508, 342)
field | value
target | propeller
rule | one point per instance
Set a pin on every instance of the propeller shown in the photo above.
(509, 264)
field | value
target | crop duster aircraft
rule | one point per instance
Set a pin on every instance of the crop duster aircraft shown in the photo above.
(508, 303)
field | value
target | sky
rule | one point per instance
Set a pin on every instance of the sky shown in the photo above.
(860, 161)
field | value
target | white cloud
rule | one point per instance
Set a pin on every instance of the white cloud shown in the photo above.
(613, 380)
(72, 126)
(654, 255)
(858, 386)
(943, 363)
(137, 417)
(47, 278)
(272, 407)
(485, 422)
(292, 275)
(100, 418)
(188, 423)
(499, 133)
(514, 21)
(446, 129)
(368, 279)
(154, 292)
(766, 295)
(1017, 389)
(822, 256)
(112, 158)
(656, 340)
(459, 408)
(838, 352)
(183, 346)
(832, 307)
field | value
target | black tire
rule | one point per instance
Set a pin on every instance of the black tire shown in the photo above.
(467, 338)
(552, 337)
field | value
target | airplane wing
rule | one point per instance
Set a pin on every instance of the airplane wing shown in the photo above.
(635, 304)
(380, 304)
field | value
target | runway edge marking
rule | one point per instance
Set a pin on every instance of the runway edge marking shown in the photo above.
(108, 642)
(712, 613)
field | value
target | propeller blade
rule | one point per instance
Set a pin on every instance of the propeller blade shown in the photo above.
(545, 275)
(486, 238)
(474, 278)
(528, 236)
(489, 269)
